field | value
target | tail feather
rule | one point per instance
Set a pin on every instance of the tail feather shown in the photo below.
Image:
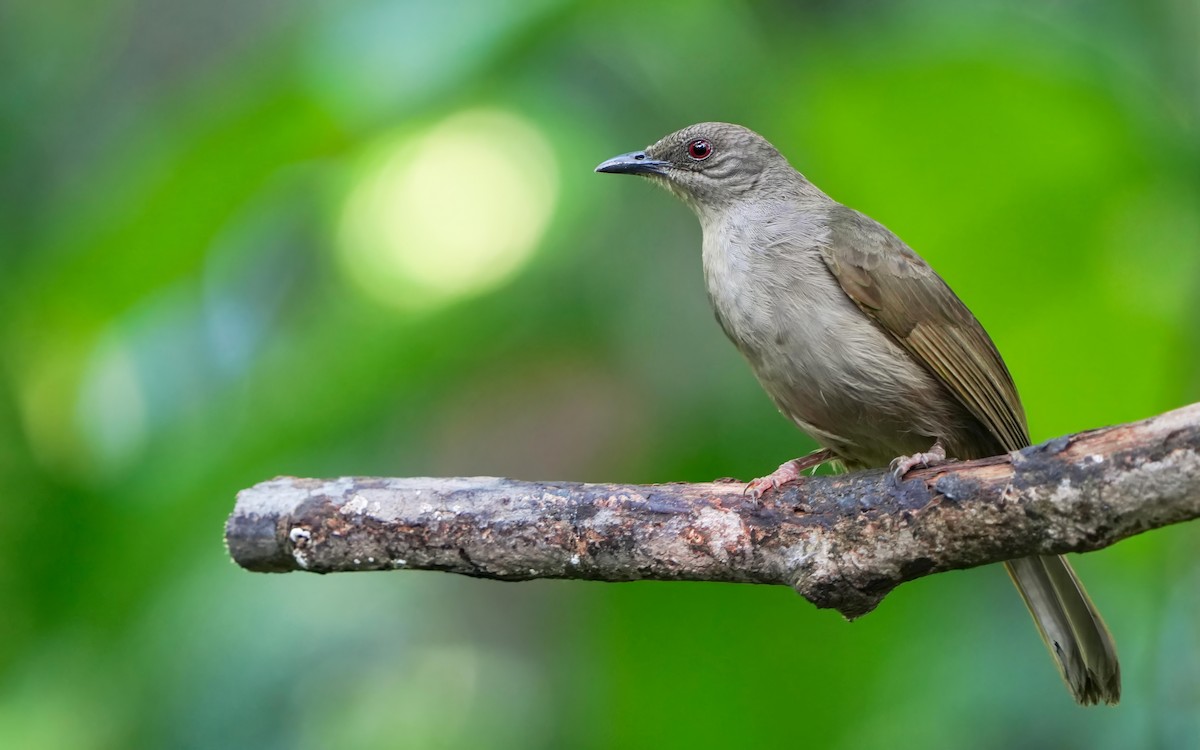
(1071, 627)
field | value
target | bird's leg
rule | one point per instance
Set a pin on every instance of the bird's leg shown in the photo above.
(788, 471)
(935, 456)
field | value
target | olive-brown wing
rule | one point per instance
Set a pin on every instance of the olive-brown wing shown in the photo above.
(900, 292)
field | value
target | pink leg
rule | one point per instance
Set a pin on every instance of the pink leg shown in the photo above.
(789, 471)
(935, 456)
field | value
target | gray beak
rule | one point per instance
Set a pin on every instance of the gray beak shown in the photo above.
(635, 162)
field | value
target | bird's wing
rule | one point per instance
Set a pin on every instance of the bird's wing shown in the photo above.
(897, 289)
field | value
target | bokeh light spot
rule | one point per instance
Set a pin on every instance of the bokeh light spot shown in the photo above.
(112, 405)
(449, 213)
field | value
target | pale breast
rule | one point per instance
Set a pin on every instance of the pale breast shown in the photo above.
(823, 362)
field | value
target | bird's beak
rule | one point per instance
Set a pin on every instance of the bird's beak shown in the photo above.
(635, 162)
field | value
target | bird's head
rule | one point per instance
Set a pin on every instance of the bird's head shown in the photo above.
(712, 165)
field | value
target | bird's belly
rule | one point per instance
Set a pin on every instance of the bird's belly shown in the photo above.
(826, 365)
(852, 387)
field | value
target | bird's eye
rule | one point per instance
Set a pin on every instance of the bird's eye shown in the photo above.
(699, 149)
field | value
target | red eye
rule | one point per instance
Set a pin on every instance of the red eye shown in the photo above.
(699, 149)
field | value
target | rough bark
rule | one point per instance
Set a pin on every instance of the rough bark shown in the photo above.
(842, 542)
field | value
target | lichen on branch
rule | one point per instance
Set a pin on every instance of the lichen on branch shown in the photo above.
(842, 542)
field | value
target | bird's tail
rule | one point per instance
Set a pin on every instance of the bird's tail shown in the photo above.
(1071, 627)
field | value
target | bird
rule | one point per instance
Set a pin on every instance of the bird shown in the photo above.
(860, 343)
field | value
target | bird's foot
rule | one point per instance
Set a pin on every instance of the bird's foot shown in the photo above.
(789, 471)
(935, 456)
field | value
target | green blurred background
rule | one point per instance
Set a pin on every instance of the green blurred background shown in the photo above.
(243, 239)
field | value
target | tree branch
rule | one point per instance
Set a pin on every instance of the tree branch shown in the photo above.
(841, 541)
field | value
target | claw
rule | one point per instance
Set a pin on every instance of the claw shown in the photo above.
(901, 465)
(789, 471)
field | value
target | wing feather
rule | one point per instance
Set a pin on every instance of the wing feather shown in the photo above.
(899, 290)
